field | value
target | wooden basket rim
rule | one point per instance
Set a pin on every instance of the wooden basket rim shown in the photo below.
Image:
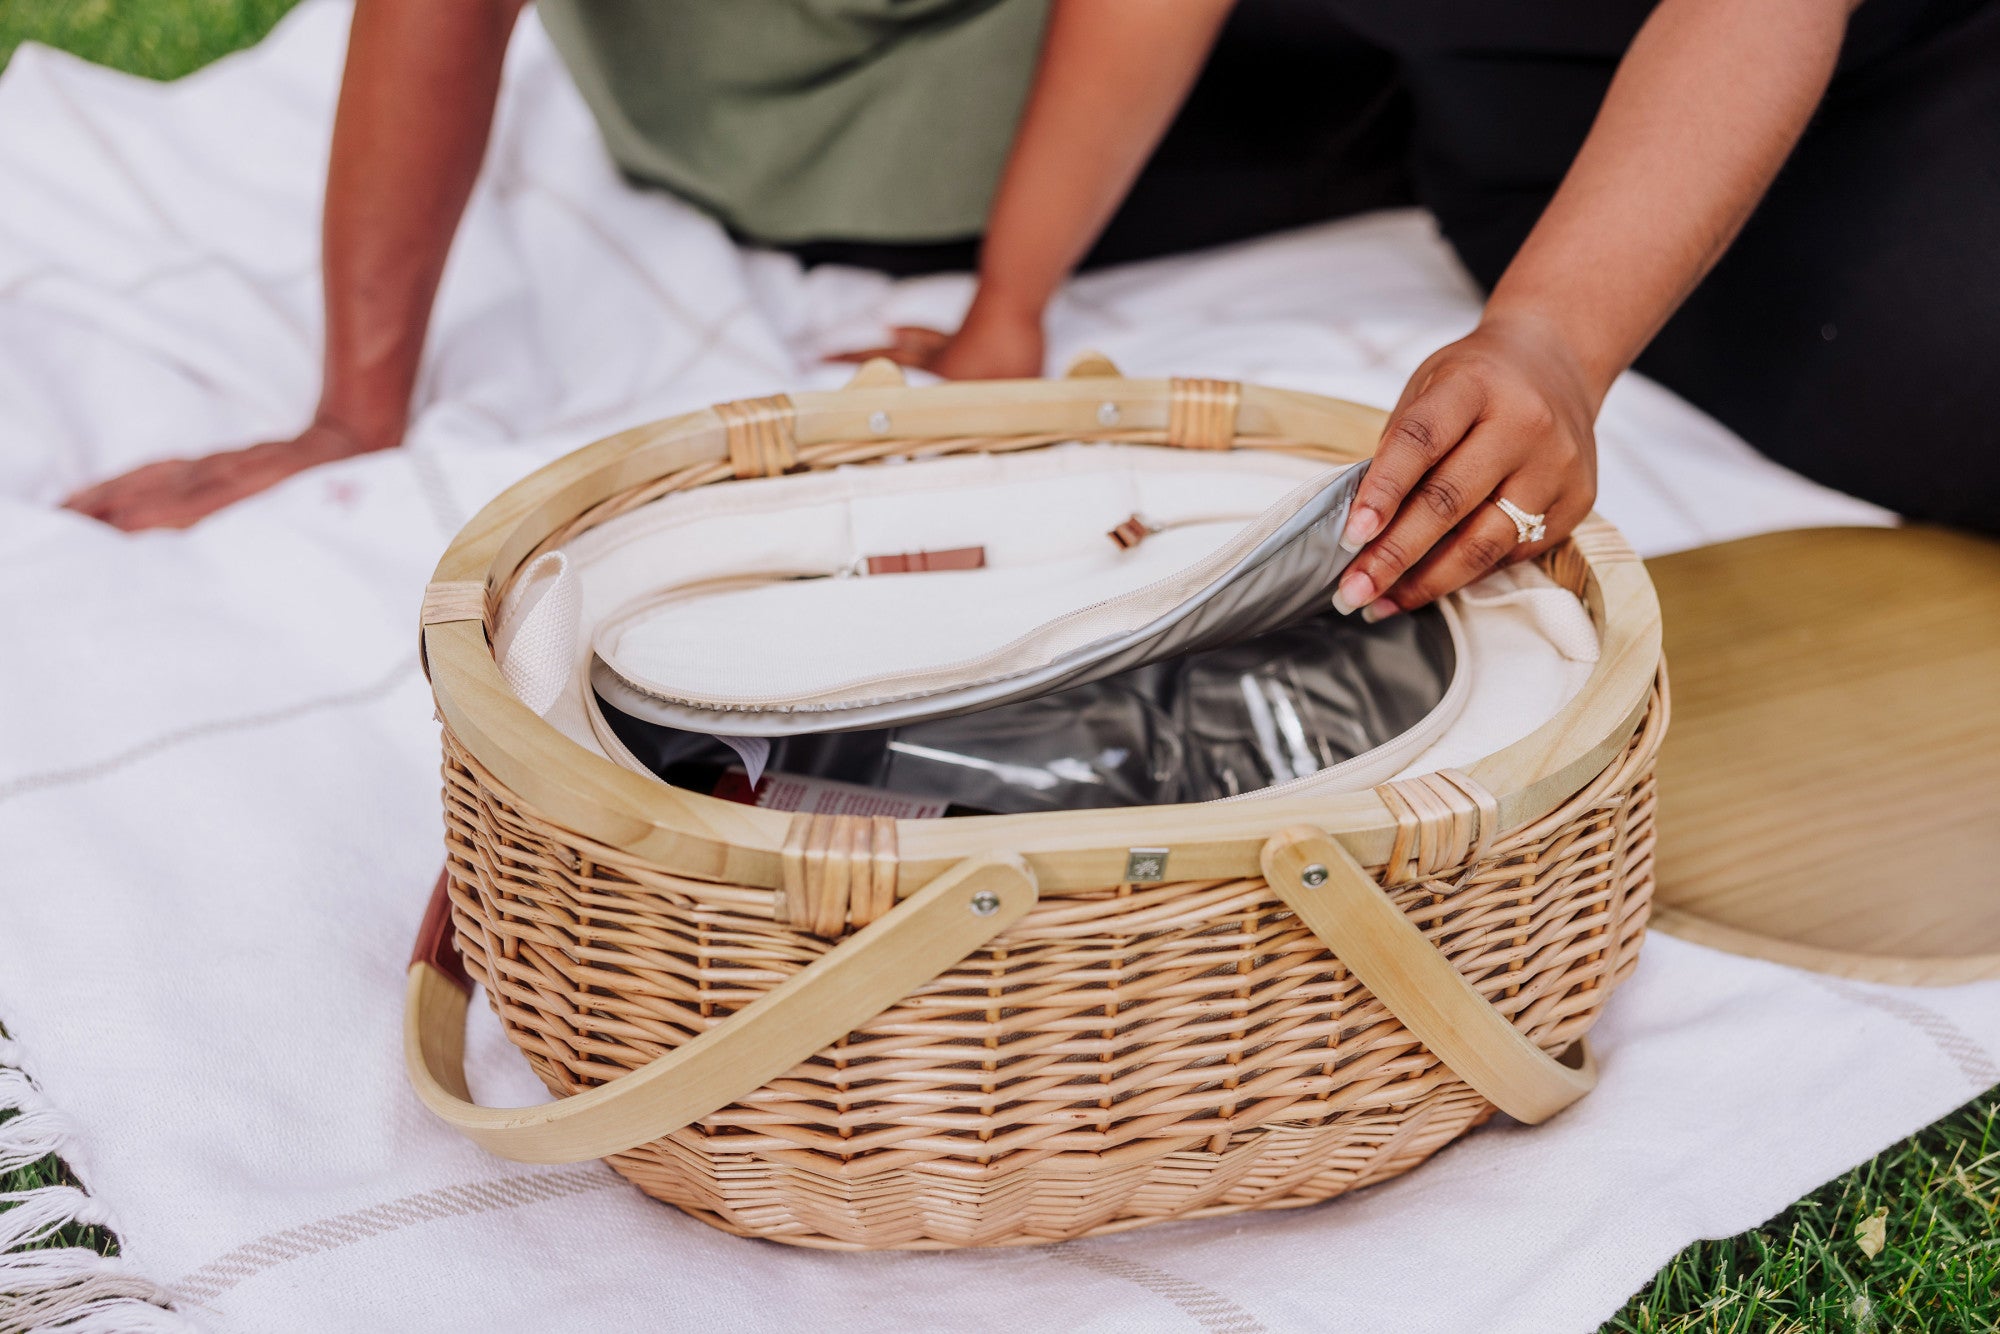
(706, 838)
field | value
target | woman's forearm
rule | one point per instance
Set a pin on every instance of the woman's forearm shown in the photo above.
(1112, 75)
(1703, 111)
(416, 106)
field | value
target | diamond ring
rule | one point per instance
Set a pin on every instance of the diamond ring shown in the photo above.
(1527, 527)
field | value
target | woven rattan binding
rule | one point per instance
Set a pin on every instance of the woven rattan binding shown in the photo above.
(1443, 819)
(839, 872)
(454, 600)
(761, 443)
(1201, 414)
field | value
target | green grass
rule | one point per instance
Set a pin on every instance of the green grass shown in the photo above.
(1805, 1272)
(161, 39)
(52, 1171)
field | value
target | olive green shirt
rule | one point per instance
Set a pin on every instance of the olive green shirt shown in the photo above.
(809, 120)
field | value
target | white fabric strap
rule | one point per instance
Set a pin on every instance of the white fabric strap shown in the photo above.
(539, 626)
(1554, 610)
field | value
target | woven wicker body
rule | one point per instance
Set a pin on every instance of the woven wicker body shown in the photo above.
(1120, 1053)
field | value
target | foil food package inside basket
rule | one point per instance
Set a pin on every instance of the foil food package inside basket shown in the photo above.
(1276, 709)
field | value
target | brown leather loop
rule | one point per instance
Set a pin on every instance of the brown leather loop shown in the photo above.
(923, 562)
(1443, 820)
(1131, 533)
(1201, 414)
(759, 432)
(839, 872)
(436, 944)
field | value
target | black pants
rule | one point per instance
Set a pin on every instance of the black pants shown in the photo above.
(1295, 120)
(1852, 332)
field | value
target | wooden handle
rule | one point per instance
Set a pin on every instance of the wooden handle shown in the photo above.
(1390, 956)
(930, 931)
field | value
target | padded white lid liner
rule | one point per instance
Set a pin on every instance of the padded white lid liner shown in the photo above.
(1052, 584)
(1527, 643)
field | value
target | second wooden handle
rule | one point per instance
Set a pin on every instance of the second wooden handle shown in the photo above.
(1340, 903)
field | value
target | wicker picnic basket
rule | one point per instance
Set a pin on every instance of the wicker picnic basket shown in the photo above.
(999, 1030)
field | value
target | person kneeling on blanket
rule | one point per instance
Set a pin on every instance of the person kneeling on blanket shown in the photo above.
(1591, 164)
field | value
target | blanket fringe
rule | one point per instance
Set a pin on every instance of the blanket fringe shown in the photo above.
(70, 1289)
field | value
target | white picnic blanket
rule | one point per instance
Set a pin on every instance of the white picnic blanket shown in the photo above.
(218, 770)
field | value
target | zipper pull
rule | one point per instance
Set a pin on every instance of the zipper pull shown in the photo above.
(1131, 533)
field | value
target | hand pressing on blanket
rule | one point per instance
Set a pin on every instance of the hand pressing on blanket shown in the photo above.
(988, 346)
(416, 107)
(175, 493)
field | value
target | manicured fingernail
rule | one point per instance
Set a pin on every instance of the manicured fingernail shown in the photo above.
(1356, 590)
(1362, 524)
(1379, 610)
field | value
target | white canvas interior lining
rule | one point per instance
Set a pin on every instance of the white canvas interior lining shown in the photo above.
(1530, 646)
(1527, 643)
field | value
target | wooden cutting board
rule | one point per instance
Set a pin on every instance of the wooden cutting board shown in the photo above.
(1830, 783)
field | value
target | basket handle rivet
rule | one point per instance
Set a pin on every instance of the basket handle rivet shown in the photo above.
(1107, 413)
(1313, 876)
(985, 903)
(878, 422)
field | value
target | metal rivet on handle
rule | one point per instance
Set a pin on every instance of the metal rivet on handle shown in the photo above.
(878, 422)
(985, 903)
(1313, 876)
(1107, 414)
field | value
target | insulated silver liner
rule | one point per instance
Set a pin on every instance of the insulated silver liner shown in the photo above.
(1272, 711)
